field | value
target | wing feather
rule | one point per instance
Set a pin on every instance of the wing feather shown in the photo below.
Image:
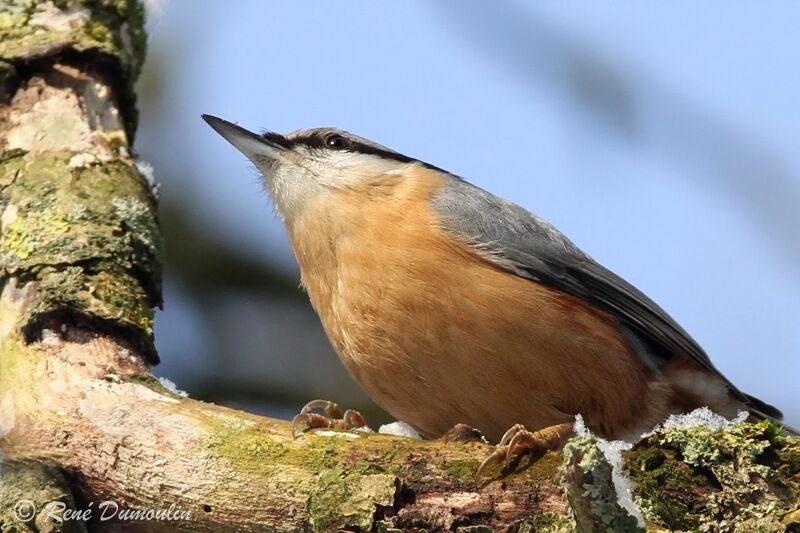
(528, 246)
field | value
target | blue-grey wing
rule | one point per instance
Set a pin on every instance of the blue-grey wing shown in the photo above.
(526, 245)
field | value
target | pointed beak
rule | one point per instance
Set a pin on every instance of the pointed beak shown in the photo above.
(254, 146)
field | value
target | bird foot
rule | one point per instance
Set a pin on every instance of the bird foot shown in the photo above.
(518, 441)
(332, 418)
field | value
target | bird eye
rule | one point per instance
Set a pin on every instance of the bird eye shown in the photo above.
(335, 141)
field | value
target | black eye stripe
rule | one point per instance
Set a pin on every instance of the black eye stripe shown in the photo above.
(316, 140)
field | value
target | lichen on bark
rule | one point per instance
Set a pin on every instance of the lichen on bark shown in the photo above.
(77, 219)
(746, 478)
(36, 28)
(92, 247)
(590, 489)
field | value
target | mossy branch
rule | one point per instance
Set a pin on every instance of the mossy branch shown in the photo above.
(118, 435)
(90, 411)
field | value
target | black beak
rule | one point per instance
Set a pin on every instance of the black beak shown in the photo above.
(253, 145)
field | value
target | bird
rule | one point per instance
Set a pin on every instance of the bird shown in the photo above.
(449, 305)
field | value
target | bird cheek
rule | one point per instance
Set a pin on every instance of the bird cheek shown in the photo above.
(332, 178)
(293, 189)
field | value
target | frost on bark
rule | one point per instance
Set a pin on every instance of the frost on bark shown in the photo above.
(82, 420)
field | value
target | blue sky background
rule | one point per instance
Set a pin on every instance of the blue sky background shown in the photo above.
(660, 137)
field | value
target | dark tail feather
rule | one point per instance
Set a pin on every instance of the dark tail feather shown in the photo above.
(763, 408)
(766, 411)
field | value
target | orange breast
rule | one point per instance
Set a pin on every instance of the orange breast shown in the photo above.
(438, 335)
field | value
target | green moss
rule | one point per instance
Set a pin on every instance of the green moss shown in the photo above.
(547, 522)
(697, 479)
(15, 13)
(106, 214)
(149, 381)
(671, 486)
(788, 461)
(364, 455)
(462, 471)
(340, 499)
(683, 478)
(18, 362)
(99, 32)
(115, 28)
(111, 295)
(93, 247)
(21, 236)
(344, 483)
(543, 467)
(345, 479)
(245, 447)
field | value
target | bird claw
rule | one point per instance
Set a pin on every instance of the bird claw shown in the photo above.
(332, 418)
(518, 441)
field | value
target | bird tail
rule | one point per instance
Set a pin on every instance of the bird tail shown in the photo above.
(764, 411)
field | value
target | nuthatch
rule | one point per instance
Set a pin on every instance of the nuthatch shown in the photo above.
(450, 305)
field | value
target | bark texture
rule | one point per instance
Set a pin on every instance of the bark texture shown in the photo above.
(82, 420)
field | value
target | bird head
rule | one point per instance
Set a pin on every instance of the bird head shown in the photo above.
(306, 165)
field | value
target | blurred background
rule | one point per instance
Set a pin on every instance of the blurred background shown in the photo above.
(661, 137)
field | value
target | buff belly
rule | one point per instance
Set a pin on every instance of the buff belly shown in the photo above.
(437, 342)
(437, 335)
